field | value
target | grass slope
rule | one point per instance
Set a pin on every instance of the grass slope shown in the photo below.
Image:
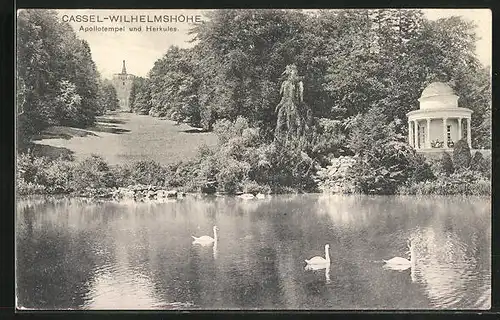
(127, 137)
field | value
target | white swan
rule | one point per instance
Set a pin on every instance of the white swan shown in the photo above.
(204, 240)
(319, 262)
(246, 196)
(399, 263)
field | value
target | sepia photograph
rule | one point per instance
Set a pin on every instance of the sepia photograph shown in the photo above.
(253, 159)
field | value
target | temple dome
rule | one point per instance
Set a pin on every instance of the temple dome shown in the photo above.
(437, 89)
(438, 95)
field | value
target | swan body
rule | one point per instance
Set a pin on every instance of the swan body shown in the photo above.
(316, 266)
(320, 261)
(399, 263)
(206, 239)
(246, 196)
(316, 260)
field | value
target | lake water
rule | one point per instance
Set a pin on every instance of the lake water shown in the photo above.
(77, 254)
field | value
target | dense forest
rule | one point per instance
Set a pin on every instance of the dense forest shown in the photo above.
(361, 70)
(57, 80)
(351, 61)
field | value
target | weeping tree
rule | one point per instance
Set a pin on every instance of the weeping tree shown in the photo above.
(294, 116)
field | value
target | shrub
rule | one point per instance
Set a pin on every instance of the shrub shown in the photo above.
(477, 161)
(231, 173)
(487, 162)
(60, 174)
(122, 175)
(328, 139)
(480, 164)
(31, 169)
(243, 161)
(251, 137)
(40, 175)
(448, 186)
(383, 161)
(250, 186)
(464, 182)
(336, 177)
(226, 130)
(446, 164)
(284, 168)
(184, 175)
(29, 188)
(91, 174)
(147, 172)
(467, 176)
(461, 155)
(420, 169)
(386, 166)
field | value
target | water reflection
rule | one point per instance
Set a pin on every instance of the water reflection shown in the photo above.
(76, 254)
(214, 250)
(121, 289)
(448, 272)
(320, 267)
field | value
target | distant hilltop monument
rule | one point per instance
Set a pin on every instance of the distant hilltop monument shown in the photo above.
(123, 84)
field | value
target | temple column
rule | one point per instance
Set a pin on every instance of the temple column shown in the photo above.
(459, 129)
(415, 134)
(410, 142)
(469, 138)
(445, 137)
(428, 134)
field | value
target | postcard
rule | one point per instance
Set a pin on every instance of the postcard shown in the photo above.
(253, 159)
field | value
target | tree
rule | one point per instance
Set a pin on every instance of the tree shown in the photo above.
(174, 87)
(57, 78)
(142, 101)
(38, 40)
(107, 97)
(461, 155)
(242, 54)
(137, 84)
(293, 114)
(68, 102)
(445, 52)
(385, 58)
(351, 62)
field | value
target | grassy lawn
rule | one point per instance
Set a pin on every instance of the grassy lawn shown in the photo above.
(127, 137)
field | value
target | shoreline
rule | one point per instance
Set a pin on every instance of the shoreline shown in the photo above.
(143, 193)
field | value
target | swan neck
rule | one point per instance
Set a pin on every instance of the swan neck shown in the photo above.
(215, 234)
(327, 255)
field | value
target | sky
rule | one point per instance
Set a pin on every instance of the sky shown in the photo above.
(140, 50)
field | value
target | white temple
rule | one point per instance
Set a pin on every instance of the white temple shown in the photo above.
(439, 123)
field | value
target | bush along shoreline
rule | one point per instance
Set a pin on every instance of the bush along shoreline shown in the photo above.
(245, 165)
